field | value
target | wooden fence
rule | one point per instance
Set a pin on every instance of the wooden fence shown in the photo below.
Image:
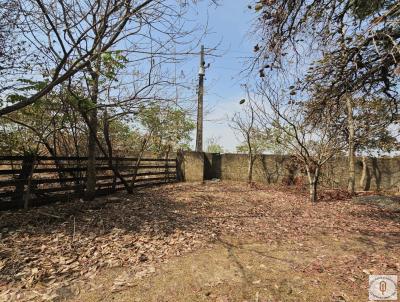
(40, 180)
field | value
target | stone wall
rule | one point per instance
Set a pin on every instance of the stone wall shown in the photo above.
(381, 173)
(190, 166)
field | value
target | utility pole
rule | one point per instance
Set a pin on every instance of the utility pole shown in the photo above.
(200, 92)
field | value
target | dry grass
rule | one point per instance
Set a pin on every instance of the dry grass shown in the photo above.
(221, 241)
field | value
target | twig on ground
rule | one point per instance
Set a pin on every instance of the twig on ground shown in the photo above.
(49, 215)
(73, 234)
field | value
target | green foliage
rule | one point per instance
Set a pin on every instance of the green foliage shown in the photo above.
(49, 122)
(27, 85)
(125, 139)
(260, 143)
(32, 85)
(113, 61)
(15, 98)
(54, 122)
(271, 141)
(213, 146)
(170, 127)
(12, 139)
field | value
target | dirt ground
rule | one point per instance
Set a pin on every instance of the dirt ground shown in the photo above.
(218, 241)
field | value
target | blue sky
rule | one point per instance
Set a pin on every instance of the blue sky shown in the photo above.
(229, 25)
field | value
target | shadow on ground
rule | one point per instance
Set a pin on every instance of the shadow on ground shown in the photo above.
(218, 241)
(127, 212)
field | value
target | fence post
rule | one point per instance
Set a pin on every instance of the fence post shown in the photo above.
(21, 195)
(78, 175)
(114, 184)
(179, 166)
(166, 178)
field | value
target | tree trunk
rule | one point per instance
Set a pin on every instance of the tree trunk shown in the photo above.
(351, 150)
(104, 152)
(136, 168)
(107, 138)
(364, 173)
(313, 183)
(250, 169)
(167, 163)
(27, 193)
(24, 181)
(90, 191)
(139, 159)
(57, 162)
(251, 158)
(313, 192)
(91, 162)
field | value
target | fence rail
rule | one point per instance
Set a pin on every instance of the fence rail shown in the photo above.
(45, 179)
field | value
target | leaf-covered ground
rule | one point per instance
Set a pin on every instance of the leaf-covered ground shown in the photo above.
(218, 241)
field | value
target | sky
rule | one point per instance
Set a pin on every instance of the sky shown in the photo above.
(229, 25)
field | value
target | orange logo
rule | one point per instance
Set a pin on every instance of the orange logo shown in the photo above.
(382, 287)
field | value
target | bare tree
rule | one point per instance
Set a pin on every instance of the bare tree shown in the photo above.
(14, 57)
(312, 143)
(244, 124)
(87, 46)
(60, 33)
(70, 36)
(356, 43)
(102, 56)
(341, 50)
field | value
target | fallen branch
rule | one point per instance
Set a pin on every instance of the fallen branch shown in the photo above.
(49, 215)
